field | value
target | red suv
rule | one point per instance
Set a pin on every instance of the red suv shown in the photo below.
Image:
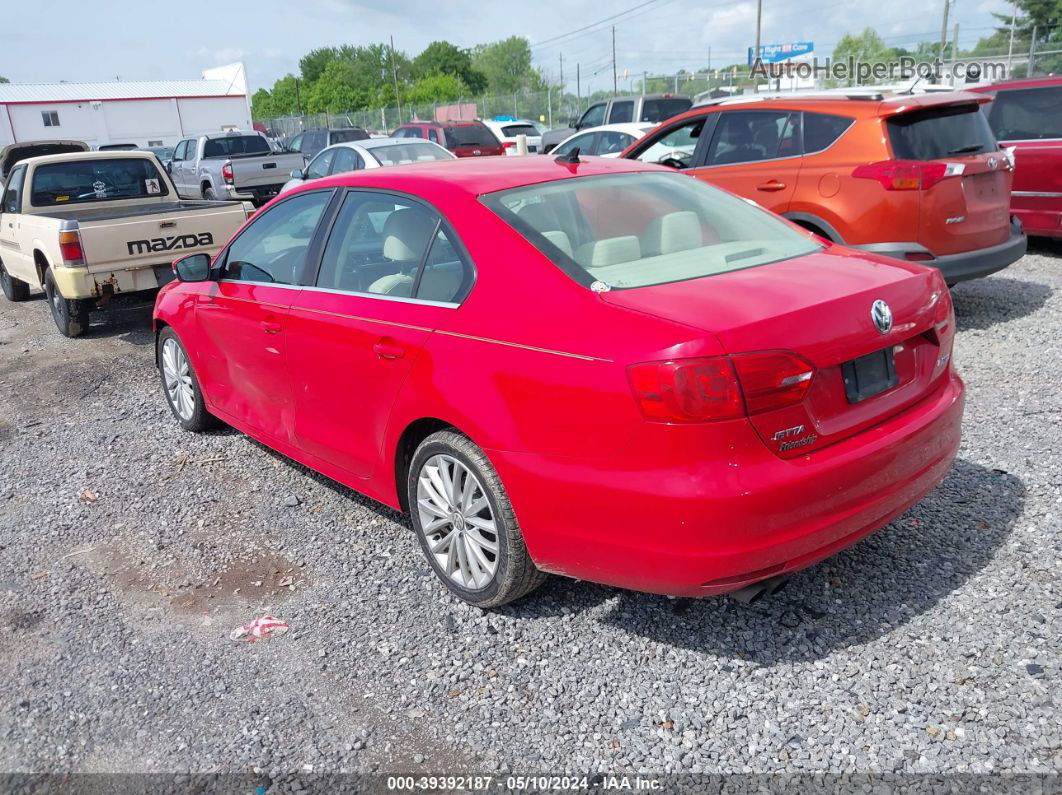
(463, 138)
(1027, 115)
(918, 178)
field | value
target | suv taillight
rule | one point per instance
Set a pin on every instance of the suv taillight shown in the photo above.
(226, 173)
(907, 174)
(720, 387)
(70, 248)
(508, 144)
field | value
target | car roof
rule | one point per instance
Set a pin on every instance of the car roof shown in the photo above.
(111, 154)
(479, 175)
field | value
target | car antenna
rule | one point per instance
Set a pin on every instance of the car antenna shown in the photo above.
(910, 89)
(569, 157)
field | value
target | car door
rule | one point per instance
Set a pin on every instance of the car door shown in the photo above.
(390, 273)
(189, 185)
(755, 154)
(242, 317)
(14, 257)
(176, 164)
(346, 159)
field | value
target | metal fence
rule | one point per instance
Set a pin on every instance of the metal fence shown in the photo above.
(550, 107)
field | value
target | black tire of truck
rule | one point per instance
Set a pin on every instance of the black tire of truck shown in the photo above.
(209, 194)
(14, 289)
(71, 316)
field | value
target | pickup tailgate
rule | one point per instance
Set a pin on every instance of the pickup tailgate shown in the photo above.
(259, 172)
(142, 240)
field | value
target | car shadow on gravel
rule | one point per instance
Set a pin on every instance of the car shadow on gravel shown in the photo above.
(130, 323)
(855, 597)
(982, 303)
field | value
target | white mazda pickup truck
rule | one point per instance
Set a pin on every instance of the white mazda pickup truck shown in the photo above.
(85, 226)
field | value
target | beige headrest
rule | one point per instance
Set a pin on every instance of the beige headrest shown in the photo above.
(673, 232)
(406, 233)
(610, 251)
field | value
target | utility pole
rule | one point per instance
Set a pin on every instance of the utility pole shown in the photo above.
(1010, 48)
(578, 85)
(561, 55)
(1032, 54)
(954, 53)
(645, 81)
(614, 89)
(394, 72)
(298, 102)
(759, 17)
(944, 29)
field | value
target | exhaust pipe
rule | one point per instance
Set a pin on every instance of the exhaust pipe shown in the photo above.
(756, 591)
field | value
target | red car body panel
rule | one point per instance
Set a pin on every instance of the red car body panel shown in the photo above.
(1036, 199)
(533, 368)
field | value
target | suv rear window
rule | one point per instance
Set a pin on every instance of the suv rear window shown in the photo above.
(80, 181)
(513, 130)
(353, 134)
(936, 133)
(470, 135)
(236, 146)
(658, 110)
(1027, 114)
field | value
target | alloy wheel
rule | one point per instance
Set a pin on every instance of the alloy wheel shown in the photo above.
(178, 377)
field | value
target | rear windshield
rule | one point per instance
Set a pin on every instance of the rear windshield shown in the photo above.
(658, 110)
(472, 135)
(413, 152)
(353, 134)
(1028, 114)
(236, 146)
(937, 133)
(635, 230)
(513, 130)
(80, 181)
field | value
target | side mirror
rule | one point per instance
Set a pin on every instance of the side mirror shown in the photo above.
(169, 166)
(296, 173)
(193, 268)
(573, 122)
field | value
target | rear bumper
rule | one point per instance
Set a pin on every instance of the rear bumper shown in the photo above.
(966, 265)
(80, 283)
(702, 527)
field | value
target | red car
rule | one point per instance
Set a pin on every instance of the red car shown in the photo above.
(601, 369)
(463, 138)
(1026, 115)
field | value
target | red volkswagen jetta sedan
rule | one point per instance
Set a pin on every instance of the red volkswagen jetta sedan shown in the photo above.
(601, 369)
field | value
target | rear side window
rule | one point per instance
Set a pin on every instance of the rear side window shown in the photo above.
(235, 146)
(82, 181)
(1028, 114)
(658, 110)
(472, 135)
(353, 134)
(822, 129)
(621, 112)
(936, 133)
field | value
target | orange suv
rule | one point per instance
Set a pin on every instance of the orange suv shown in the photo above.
(919, 178)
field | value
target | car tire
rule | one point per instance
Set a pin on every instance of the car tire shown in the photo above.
(209, 194)
(180, 386)
(71, 316)
(484, 568)
(14, 289)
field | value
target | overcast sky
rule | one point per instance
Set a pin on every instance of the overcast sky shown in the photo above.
(79, 41)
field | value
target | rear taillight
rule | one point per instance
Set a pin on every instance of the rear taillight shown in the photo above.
(773, 379)
(687, 390)
(720, 387)
(226, 173)
(508, 144)
(907, 174)
(70, 248)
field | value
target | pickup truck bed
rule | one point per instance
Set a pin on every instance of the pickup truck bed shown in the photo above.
(115, 213)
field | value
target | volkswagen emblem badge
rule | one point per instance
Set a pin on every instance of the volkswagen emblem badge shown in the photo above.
(992, 162)
(882, 316)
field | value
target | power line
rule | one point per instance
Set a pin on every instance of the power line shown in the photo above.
(593, 24)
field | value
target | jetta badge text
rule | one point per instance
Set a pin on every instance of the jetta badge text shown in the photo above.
(882, 316)
(169, 243)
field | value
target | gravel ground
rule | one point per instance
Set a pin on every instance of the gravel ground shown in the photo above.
(131, 549)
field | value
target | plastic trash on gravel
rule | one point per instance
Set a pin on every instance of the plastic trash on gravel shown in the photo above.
(260, 629)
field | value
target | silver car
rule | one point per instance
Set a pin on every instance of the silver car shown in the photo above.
(368, 153)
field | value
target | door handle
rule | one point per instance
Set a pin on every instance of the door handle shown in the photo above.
(771, 186)
(271, 327)
(388, 350)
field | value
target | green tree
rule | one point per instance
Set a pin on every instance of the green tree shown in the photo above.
(866, 47)
(507, 66)
(313, 63)
(444, 58)
(436, 88)
(337, 90)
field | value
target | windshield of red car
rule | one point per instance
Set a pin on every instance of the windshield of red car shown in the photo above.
(641, 229)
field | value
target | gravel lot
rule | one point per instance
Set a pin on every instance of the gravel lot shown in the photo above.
(131, 549)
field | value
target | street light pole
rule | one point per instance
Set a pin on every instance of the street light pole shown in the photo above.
(614, 89)
(759, 17)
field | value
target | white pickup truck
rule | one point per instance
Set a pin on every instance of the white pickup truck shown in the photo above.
(84, 226)
(231, 165)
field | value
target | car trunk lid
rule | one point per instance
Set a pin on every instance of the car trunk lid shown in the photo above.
(820, 308)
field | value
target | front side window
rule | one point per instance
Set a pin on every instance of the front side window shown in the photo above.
(675, 146)
(13, 192)
(319, 165)
(621, 112)
(594, 116)
(936, 133)
(390, 246)
(81, 181)
(1027, 114)
(50, 118)
(635, 230)
(749, 136)
(296, 143)
(273, 247)
(581, 142)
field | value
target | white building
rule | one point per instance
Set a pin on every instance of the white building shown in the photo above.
(146, 113)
